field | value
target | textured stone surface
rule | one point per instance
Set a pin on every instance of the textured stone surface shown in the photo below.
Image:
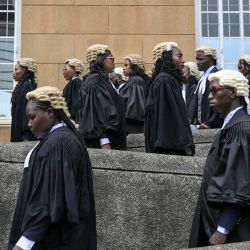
(143, 201)
(10, 176)
(235, 246)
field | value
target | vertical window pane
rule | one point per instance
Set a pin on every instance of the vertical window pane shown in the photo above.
(3, 24)
(7, 50)
(3, 4)
(233, 5)
(6, 72)
(234, 18)
(11, 5)
(213, 30)
(226, 30)
(212, 5)
(247, 30)
(203, 5)
(11, 22)
(225, 5)
(234, 30)
(226, 18)
(246, 4)
(204, 30)
(213, 18)
(204, 18)
(246, 18)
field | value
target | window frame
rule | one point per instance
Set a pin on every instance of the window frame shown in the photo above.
(198, 26)
(17, 50)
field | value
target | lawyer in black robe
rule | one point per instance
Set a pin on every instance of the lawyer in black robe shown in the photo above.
(55, 206)
(101, 117)
(167, 129)
(133, 93)
(226, 180)
(72, 72)
(71, 93)
(19, 123)
(224, 200)
(101, 112)
(25, 74)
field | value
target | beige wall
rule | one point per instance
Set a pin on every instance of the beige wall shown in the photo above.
(54, 30)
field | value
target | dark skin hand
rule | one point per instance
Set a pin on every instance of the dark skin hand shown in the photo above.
(204, 126)
(106, 146)
(17, 248)
(217, 238)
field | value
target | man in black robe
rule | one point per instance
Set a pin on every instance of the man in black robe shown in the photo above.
(205, 117)
(101, 117)
(55, 207)
(223, 210)
(167, 129)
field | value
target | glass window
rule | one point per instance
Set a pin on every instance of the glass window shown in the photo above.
(7, 55)
(230, 5)
(228, 25)
(246, 4)
(212, 5)
(231, 24)
(246, 18)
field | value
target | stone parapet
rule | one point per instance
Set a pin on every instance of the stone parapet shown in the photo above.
(143, 201)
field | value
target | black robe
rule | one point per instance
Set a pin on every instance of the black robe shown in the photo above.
(226, 180)
(71, 93)
(19, 124)
(167, 129)
(57, 186)
(190, 100)
(208, 117)
(101, 112)
(133, 93)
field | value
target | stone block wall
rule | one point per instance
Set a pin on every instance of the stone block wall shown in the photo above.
(143, 201)
(54, 30)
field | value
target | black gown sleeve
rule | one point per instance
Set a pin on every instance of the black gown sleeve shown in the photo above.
(55, 189)
(19, 129)
(166, 123)
(133, 93)
(101, 108)
(71, 93)
(230, 182)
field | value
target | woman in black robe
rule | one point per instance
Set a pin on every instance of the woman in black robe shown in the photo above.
(55, 206)
(167, 128)
(101, 117)
(133, 93)
(72, 72)
(223, 210)
(25, 73)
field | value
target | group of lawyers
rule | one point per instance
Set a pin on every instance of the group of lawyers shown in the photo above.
(55, 206)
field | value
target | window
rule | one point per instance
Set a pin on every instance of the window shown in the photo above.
(9, 10)
(224, 25)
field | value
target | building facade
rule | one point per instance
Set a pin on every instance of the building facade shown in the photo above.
(50, 31)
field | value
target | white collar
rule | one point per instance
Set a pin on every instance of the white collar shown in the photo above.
(229, 116)
(27, 159)
(58, 125)
(201, 86)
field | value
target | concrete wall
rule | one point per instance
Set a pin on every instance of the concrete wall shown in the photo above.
(54, 30)
(143, 201)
